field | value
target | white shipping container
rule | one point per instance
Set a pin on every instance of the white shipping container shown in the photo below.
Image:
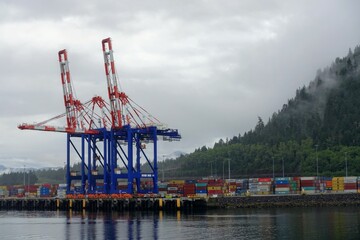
(350, 191)
(61, 193)
(230, 180)
(307, 178)
(264, 187)
(201, 194)
(309, 191)
(350, 179)
(264, 183)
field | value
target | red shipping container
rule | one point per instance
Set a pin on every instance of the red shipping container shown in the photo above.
(203, 181)
(307, 183)
(349, 186)
(47, 185)
(213, 192)
(215, 184)
(189, 185)
(189, 191)
(264, 180)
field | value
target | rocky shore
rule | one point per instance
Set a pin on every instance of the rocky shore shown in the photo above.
(271, 201)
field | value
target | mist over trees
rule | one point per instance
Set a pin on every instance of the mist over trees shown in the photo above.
(315, 133)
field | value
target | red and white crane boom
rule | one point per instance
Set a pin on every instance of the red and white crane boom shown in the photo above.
(112, 82)
(69, 99)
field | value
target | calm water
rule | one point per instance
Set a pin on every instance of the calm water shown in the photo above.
(297, 223)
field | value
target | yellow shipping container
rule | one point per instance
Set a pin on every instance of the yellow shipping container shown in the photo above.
(179, 182)
(264, 193)
(338, 179)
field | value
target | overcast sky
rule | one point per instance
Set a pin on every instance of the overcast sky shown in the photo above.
(207, 68)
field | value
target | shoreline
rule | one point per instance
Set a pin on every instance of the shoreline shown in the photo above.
(279, 201)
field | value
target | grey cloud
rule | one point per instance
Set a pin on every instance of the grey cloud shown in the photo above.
(208, 68)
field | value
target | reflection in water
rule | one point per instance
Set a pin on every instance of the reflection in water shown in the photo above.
(282, 223)
(124, 225)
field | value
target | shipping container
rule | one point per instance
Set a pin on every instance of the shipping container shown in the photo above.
(308, 185)
(338, 184)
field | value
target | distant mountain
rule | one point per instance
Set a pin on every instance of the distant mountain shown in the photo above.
(175, 155)
(11, 165)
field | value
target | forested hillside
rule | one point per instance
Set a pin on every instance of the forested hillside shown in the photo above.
(321, 124)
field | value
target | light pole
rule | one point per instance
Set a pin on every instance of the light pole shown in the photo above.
(163, 168)
(283, 166)
(273, 169)
(229, 169)
(317, 162)
(229, 175)
(346, 167)
(223, 171)
(224, 168)
(28, 188)
(24, 176)
(25, 180)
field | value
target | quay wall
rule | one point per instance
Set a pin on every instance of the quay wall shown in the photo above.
(131, 204)
(184, 204)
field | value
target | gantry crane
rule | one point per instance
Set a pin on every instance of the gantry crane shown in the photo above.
(110, 139)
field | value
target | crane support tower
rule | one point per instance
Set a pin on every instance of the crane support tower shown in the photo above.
(116, 143)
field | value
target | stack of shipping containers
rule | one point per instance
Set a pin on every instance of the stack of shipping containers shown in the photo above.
(61, 191)
(319, 185)
(241, 186)
(172, 189)
(4, 191)
(328, 184)
(338, 184)
(307, 185)
(282, 185)
(201, 189)
(253, 185)
(13, 191)
(175, 187)
(294, 185)
(215, 188)
(189, 188)
(162, 187)
(43, 191)
(350, 184)
(264, 186)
